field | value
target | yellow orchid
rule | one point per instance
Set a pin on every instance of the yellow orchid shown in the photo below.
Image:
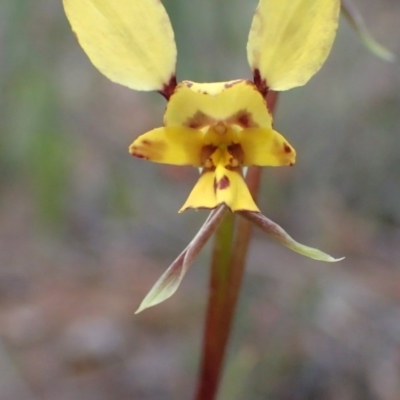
(218, 127)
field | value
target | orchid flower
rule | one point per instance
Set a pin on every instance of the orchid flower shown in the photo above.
(220, 127)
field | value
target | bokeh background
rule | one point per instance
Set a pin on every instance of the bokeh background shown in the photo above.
(85, 230)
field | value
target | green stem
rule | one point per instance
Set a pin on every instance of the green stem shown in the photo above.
(227, 267)
(219, 313)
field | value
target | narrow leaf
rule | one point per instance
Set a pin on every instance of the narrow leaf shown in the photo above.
(281, 236)
(357, 22)
(170, 280)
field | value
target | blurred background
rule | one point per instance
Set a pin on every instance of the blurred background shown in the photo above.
(86, 229)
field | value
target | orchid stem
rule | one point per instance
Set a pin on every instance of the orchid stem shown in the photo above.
(227, 266)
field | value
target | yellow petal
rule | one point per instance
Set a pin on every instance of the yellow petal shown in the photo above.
(203, 194)
(172, 145)
(198, 105)
(289, 40)
(265, 147)
(232, 190)
(129, 41)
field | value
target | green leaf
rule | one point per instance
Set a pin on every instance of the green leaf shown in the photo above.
(356, 20)
(282, 237)
(170, 280)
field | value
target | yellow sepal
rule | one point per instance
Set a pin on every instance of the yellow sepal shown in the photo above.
(171, 145)
(129, 41)
(289, 40)
(203, 194)
(231, 189)
(265, 147)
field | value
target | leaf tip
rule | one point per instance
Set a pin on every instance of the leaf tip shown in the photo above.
(140, 309)
(377, 49)
(332, 259)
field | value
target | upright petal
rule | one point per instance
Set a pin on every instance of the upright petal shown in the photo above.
(265, 147)
(231, 189)
(130, 41)
(171, 145)
(203, 194)
(289, 40)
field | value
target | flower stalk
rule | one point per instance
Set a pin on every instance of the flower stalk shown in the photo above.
(227, 267)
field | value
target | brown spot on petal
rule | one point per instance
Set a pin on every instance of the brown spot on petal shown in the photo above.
(261, 83)
(233, 83)
(243, 118)
(198, 120)
(148, 149)
(236, 151)
(136, 153)
(223, 183)
(286, 148)
(206, 152)
(169, 88)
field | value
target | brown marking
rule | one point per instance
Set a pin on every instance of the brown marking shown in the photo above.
(233, 83)
(250, 83)
(223, 183)
(234, 169)
(134, 152)
(148, 149)
(199, 208)
(169, 88)
(291, 164)
(198, 120)
(260, 83)
(206, 152)
(236, 151)
(132, 149)
(243, 118)
(286, 148)
(215, 185)
(188, 84)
